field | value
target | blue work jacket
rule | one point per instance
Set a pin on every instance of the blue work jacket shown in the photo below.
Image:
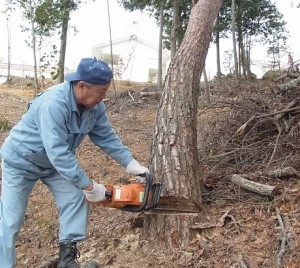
(48, 134)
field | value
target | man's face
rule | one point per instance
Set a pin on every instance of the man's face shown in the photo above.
(90, 95)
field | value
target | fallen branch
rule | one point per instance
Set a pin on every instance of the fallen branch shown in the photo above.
(287, 74)
(262, 189)
(291, 85)
(279, 173)
(206, 225)
(283, 240)
(242, 128)
(292, 104)
(149, 94)
(281, 77)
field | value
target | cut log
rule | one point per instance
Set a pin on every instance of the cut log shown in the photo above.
(281, 89)
(262, 189)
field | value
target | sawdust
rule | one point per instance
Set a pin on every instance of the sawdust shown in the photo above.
(243, 228)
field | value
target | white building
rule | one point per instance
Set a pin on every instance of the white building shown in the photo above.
(134, 59)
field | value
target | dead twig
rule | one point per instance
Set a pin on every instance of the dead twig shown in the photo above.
(283, 240)
(234, 223)
(242, 263)
(274, 149)
(207, 225)
(130, 96)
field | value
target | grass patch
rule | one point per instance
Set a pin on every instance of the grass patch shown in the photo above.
(4, 123)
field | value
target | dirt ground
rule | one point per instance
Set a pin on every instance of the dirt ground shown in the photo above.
(238, 228)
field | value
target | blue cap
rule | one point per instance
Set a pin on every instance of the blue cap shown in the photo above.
(92, 71)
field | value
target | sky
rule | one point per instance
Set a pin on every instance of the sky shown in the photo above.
(92, 24)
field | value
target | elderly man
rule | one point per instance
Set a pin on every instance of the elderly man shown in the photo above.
(42, 146)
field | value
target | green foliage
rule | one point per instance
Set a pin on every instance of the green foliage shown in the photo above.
(254, 18)
(4, 123)
(45, 20)
(153, 6)
(258, 17)
(223, 23)
(132, 5)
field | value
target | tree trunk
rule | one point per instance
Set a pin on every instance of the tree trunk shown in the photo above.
(236, 67)
(174, 152)
(174, 28)
(218, 56)
(111, 51)
(8, 79)
(206, 87)
(33, 36)
(63, 45)
(243, 58)
(161, 27)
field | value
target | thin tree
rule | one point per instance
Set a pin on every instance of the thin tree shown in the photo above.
(160, 46)
(111, 50)
(174, 154)
(175, 22)
(30, 16)
(218, 52)
(64, 8)
(7, 13)
(53, 16)
(236, 73)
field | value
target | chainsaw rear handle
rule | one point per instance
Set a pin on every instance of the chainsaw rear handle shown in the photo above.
(143, 206)
(108, 193)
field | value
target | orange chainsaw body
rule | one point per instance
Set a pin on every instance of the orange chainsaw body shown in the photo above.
(118, 196)
(131, 195)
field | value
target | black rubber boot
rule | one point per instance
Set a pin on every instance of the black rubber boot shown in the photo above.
(68, 254)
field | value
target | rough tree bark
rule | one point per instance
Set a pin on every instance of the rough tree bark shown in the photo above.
(174, 154)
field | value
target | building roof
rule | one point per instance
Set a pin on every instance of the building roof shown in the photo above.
(127, 39)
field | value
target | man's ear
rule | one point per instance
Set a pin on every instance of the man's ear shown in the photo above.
(81, 85)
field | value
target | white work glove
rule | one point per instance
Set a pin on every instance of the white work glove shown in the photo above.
(135, 168)
(97, 194)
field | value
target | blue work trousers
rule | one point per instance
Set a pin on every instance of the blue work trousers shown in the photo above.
(17, 185)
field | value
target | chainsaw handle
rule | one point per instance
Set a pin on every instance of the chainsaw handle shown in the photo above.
(108, 193)
(146, 195)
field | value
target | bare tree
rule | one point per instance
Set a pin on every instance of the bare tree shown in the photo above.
(33, 40)
(234, 42)
(175, 22)
(174, 153)
(111, 51)
(161, 28)
(8, 13)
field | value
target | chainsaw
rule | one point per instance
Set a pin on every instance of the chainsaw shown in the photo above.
(135, 196)
(132, 195)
